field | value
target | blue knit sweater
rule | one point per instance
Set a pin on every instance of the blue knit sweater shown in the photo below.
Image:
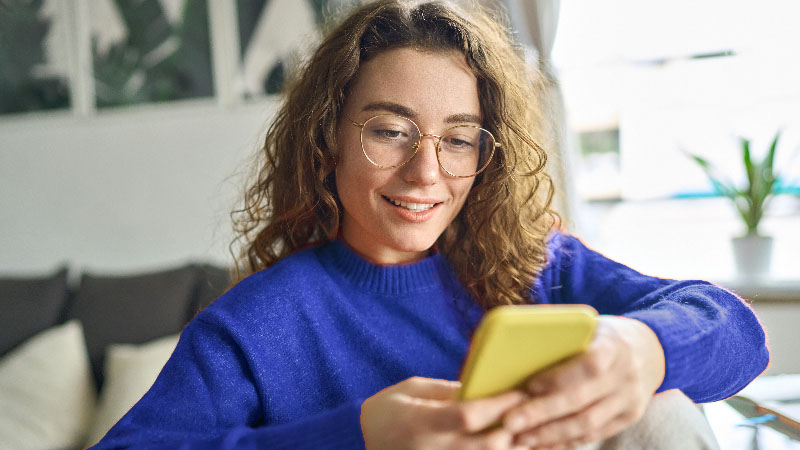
(285, 358)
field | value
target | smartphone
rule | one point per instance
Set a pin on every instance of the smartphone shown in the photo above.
(514, 342)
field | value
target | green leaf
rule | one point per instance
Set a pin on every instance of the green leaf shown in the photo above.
(745, 210)
(772, 147)
(748, 162)
(23, 32)
(751, 201)
(192, 59)
(723, 187)
(248, 12)
(769, 161)
(146, 23)
(156, 61)
(765, 181)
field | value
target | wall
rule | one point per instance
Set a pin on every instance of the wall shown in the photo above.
(126, 190)
(780, 320)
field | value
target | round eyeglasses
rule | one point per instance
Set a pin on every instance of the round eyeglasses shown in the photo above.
(389, 141)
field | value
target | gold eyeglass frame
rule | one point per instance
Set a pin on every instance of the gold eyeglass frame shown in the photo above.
(419, 140)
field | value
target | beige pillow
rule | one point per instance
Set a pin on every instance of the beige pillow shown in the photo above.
(129, 372)
(47, 391)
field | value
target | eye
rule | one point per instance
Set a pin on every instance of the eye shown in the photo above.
(455, 143)
(458, 142)
(388, 134)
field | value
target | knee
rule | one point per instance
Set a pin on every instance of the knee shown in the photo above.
(671, 421)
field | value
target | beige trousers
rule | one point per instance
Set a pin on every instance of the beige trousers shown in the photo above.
(671, 422)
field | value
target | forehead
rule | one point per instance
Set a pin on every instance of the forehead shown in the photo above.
(430, 83)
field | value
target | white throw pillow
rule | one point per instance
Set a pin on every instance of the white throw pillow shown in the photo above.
(47, 391)
(130, 371)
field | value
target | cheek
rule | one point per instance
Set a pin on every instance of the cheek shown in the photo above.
(344, 186)
(462, 189)
(356, 180)
(347, 170)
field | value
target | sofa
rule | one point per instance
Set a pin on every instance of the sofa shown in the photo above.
(76, 351)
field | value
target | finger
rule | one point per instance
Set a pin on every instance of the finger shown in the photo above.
(617, 425)
(429, 388)
(593, 363)
(475, 415)
(558, 447)
(585, 425)
(567, 388)
(559, 404)
(495, 439)
(612, 428)
(568, 446)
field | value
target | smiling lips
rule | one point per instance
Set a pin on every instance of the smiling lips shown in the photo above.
(411, 206)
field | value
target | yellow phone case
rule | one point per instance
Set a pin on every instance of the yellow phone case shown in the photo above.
(514, 342)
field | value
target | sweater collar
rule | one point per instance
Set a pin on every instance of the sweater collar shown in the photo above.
(416, 276)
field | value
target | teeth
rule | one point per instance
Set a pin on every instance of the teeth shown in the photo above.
(416, 207)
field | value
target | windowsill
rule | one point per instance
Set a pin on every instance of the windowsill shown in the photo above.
(691, 239)
(763, 290)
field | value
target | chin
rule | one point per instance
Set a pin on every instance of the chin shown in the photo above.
(414, 245)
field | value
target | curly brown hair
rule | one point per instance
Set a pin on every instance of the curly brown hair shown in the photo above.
(497, 243)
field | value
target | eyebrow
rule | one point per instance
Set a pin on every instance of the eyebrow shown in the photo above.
(396, 108)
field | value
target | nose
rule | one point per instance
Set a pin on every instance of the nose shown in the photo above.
(424, 166)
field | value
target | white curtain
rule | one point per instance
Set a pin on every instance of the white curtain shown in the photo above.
(536, 22)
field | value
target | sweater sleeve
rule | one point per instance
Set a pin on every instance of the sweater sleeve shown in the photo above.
(713, 343)
(206, 398)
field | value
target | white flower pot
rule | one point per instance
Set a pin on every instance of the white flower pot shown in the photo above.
(753, 254)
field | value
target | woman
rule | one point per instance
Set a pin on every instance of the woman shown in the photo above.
(400, 195)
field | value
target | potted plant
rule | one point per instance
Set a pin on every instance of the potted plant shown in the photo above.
(752, 250)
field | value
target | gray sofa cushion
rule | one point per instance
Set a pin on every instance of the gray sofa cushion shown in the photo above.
(30, 305)
(213, 281)
(132, 309)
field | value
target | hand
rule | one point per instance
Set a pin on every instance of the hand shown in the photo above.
(595, 395)
(421, 413)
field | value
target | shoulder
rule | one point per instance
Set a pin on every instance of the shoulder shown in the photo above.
(564, 249)
(303, 264)
(296, 279)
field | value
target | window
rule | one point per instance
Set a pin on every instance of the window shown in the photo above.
(644, 84)
(599, 163)
(660, 80)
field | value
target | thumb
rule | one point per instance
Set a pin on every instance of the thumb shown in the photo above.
(429, 388)
(475, 415)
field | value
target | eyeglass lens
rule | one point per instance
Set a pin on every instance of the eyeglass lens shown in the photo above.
(390, 141)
